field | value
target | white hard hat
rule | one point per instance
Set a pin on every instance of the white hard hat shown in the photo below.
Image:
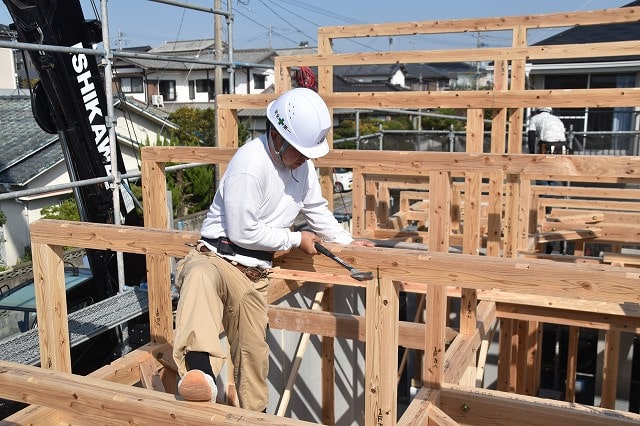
(544, 109)
(302, 118)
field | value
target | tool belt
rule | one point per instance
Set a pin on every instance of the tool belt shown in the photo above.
(554, 148)
(225, 246)
(254, 273)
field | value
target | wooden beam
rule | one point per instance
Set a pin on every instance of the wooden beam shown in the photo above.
(114, 403)
(51, 307)
(483, 24)
(526, 276)
(381, 392)
(469, 405)
(417, 412)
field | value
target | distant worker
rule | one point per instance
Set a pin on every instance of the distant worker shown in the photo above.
(549, 131)
(223, 281)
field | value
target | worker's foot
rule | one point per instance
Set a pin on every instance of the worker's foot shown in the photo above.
(198, 386)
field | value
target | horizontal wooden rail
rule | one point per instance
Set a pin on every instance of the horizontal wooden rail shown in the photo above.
(552, 20)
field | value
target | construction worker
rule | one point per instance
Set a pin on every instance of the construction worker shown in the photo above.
(223, 281)
(550, 133)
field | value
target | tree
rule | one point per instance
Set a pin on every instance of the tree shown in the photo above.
(66, 210)
(191, 189)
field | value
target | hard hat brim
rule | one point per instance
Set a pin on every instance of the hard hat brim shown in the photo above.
(317, 151)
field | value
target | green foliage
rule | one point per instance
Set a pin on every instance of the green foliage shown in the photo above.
(368, 126)
(3, 218)
(191, 189)
(67, 210)
(243, 132)
(197, 126)
(440, 123)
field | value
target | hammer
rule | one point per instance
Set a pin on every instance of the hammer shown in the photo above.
(355, 274)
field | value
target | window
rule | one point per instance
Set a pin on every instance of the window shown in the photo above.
(259, 81)
(167, 89)
(593, 119)
(131, 85)
(203, 86)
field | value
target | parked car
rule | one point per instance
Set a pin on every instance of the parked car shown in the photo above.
(342, 179)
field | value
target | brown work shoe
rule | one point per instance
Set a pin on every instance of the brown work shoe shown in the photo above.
(198, 386)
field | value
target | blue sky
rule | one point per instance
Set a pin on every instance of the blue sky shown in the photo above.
(286, 23)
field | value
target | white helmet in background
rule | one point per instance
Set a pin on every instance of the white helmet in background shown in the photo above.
(302, 118)
(544, 109)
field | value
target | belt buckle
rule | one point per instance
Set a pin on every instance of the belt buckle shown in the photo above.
(255, 274)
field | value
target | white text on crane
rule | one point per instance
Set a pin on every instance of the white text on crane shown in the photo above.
(92, 106)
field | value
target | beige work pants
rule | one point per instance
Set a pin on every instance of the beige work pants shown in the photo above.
(215, 295)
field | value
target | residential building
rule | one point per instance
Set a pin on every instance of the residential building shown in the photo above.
(8, 78)
(31, 158)
(162, 83)
(594, 130)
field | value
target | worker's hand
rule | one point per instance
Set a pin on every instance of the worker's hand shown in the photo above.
(363, 243)
(307, 242)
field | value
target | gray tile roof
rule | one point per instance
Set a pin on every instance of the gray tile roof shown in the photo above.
(25, 150)
(595, 34)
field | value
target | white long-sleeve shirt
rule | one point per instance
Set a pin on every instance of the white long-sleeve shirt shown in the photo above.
(548, 127)
(257, 202)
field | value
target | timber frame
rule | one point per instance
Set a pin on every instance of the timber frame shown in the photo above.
(497, 209)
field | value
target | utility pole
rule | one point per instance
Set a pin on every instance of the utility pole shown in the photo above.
(217, 30)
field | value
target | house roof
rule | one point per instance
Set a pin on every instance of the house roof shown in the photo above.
(342, 84)
(180, 47)
(26, 151)
(241, 57)
(253, 56)
(595, 34)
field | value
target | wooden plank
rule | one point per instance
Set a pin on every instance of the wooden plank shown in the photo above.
(328, 365)
(381, 352)
(572, 364)
(51, 307)
(504, 360)
(526, 276)
(149, 377)
(487, 54)
(489, 407)
(417, 412)
(517, 98)
(154, 190)
(534, 357)
(122, 370)
(285, 396)
(610, 369)
(600, 168)
(461, 353)
(353, 327)
(440, 229)
(621, 259)
(522, 352)
(115, 403)
(483, 24)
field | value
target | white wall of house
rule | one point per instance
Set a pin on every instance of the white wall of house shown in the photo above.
(142, 131)
(22, 212)
(398, 78)
(7, 70)
(243, 88)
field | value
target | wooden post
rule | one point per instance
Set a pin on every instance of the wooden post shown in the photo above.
(504, 360)
(51, 307)
(154, 190)
(328, 366)
(381, 352)
(610, 368)
(439, 233)
(572, 364)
